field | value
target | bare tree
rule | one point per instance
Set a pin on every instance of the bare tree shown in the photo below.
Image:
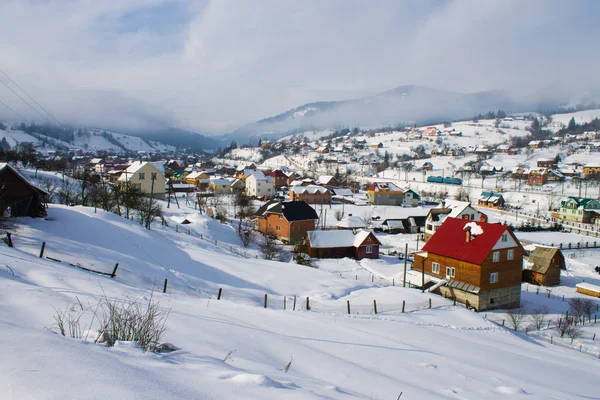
(587, 308)
(148, 212)
(563, 325)
(515, 317)
(67, 192)
(576, 307)
(269, 248)
(574, 332)
(247, 236)
(339, 214)
(538, 316)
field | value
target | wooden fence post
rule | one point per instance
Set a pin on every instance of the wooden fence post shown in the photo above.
(114, 273)
(348, 306)
(220, 292)
(403, 304)
(375, 306)
(165, 287)
(42, 250)
(9, 239)
(502, 322)
(284, 302)
(429, 303)
(307, 304)
(594, 338)
(265, 300)
(294, 309)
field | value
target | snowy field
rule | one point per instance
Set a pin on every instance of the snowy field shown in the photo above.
(333, 355)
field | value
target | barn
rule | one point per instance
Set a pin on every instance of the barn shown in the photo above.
(18, 197)
(542, 265)
(342, 243)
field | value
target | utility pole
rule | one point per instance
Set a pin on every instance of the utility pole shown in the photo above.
(150, 202)
(405, 261)
(126, 195)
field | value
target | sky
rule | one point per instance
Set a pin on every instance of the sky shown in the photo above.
(212, 66)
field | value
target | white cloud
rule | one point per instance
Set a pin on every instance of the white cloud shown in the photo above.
(213, 65)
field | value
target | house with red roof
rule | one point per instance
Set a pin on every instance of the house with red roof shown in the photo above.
(279, 178)
(477, 263)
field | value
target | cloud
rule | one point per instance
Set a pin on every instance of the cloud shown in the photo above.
(214, 65)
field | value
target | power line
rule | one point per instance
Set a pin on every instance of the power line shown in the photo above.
(19, 115)
(26, 102)
(27, 94)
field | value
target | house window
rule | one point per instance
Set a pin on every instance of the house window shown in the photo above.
(496, 256)
(494, 277)
(450, 272)
(429, 227)
(505, 237)
(142, 176)
(435, 268)
(369, 249)
(277, 228)
(510, 254)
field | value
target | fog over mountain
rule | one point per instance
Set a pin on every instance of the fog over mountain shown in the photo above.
(213, 67)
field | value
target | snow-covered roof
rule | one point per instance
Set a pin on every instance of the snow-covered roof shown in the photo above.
(352, 222)
(221, 182)
(324, 179)
(337, 238)
(311, 189)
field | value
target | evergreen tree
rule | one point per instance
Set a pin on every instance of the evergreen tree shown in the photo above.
(572, 124)
(501, 114)
(535, 125)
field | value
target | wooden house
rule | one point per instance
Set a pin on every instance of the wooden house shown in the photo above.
(279, 178)
(327, 180)
(575, 209)
(491, 199)
(542, 265)
(342, 243)
(538, 177)
(287, 220)
(311, 194)
(588, 289)
(18, 197)
(476, 263)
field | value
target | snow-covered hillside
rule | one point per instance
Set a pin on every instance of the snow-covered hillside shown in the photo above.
(87, 140)
(233, 347)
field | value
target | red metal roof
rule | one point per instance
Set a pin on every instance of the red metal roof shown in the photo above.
(450, 240)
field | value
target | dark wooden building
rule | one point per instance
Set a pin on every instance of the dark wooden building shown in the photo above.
(18, 196)
(542, 266)
(342, 243)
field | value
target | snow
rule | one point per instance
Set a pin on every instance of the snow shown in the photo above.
(474, 228)
(333, 355)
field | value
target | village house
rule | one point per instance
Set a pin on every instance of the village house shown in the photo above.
(311, 194)
(548, 163)
(538, 177)
(260, 186)
(196, 177)
(575, 209)
(18, 197)
(491, 199)
(542, 265)
(342, 243)
(453, 209)
(146, 177)
(385, 193)
(220, 186)
(279, 178)
(477, 263)
(327, 180)
(289, 221)
(352, 222)
(591, 170)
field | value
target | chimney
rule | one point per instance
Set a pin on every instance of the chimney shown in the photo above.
(468, 234)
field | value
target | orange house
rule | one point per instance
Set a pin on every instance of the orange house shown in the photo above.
(288, 221)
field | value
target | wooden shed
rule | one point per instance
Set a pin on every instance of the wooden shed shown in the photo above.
(542, 266)
(588, 289)
(18, 196)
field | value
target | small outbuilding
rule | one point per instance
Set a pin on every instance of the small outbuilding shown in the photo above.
(542, 265)
(18, 196)
(588, 289)
(342, 243)
(352, 222)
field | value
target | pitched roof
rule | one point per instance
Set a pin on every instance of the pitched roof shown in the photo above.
(540, 258)
(384, 186)
(291, 210)
(310, 189)
(352, 222)
(8, 167)
(450, 240)
(338, 238)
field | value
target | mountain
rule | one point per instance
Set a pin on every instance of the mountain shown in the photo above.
(46, 137)
(403, 105)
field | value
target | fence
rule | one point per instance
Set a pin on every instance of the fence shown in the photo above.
(545, 334)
